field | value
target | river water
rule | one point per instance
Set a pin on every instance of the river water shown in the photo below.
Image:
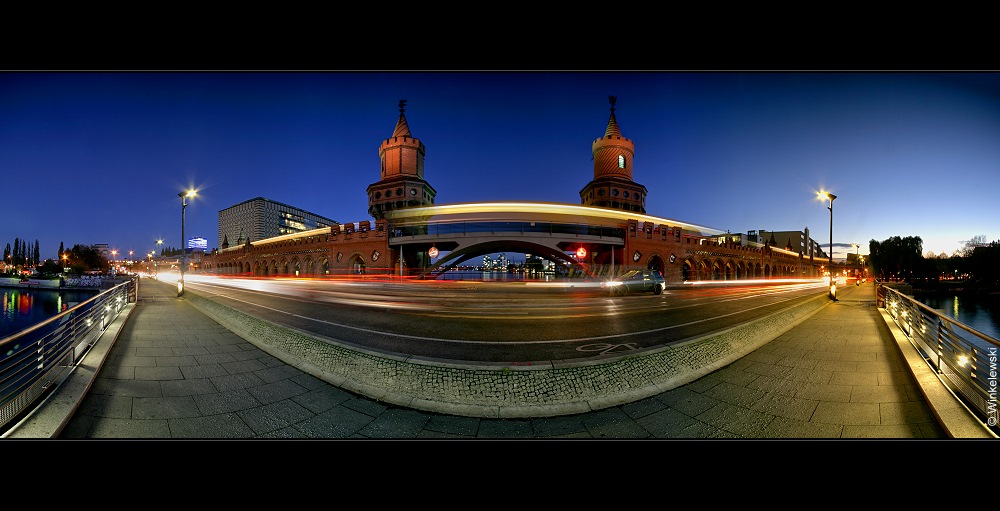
(24, 307)
(979, 312)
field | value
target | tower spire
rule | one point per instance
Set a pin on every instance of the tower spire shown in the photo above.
(612, 186)
(612, 130)
(402, 130)
(401, 181)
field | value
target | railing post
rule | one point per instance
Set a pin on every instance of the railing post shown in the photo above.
(940, 346)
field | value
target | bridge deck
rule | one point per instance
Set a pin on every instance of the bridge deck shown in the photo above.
(174, 372)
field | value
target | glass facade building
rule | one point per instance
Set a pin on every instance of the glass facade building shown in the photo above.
(261, 218)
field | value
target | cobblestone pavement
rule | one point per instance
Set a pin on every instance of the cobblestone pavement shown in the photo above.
(174, 372)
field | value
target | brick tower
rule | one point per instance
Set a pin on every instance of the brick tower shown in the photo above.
(612, 186)
(402, 182)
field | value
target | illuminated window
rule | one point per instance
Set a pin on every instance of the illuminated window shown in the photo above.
(621, 161)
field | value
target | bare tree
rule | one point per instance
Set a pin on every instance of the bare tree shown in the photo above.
(978, 240)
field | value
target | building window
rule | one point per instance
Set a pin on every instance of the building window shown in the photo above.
(621, 161)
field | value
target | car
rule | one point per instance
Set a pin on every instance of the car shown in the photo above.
(634, 281)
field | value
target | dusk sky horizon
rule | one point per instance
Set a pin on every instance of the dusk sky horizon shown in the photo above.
(99, 157)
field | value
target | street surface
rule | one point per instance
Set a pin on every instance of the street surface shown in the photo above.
(504, 322)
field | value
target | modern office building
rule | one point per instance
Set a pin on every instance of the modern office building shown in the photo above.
(261, 218)
(796, 241)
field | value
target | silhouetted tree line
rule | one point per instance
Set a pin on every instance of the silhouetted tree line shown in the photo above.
(83, 258)
(79, 259)
(977, 265)
(170, 252)
(20, 254)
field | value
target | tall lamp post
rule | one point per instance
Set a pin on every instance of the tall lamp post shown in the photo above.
(183, 196)
(856, 255)
(828, 195)
(155, 255)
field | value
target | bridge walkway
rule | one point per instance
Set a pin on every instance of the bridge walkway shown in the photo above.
(170, 371)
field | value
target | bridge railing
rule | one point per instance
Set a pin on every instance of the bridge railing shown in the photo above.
(37, 359)
(964, 358)
(506, 227)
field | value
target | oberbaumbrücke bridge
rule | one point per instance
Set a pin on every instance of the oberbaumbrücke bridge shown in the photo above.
(608, 233)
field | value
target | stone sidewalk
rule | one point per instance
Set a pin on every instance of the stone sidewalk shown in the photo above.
(173, 372)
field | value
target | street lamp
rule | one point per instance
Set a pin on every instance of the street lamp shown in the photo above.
(114, 254)
(155, 262)
(828, 195)
(183, 196)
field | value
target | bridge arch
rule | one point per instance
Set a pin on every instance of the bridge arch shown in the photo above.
(456, 257)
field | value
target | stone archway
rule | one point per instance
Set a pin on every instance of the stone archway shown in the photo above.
(357, 264)
(655, 262)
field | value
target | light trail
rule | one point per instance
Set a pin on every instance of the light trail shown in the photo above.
(496, 343)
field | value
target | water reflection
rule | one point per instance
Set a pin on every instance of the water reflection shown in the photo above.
(23, 308)
(980, 313)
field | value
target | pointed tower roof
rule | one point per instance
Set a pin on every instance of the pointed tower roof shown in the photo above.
(788, 246)
(771, 241)
(401, 181)
(612, 130)
(402, 130)
(612, 186)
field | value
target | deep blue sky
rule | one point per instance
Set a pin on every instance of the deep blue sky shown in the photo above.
(100, 157)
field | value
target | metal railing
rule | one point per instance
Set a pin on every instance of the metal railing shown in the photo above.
(37, 359)
(965, 359)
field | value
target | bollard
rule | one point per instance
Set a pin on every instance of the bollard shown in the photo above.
(833, 292)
